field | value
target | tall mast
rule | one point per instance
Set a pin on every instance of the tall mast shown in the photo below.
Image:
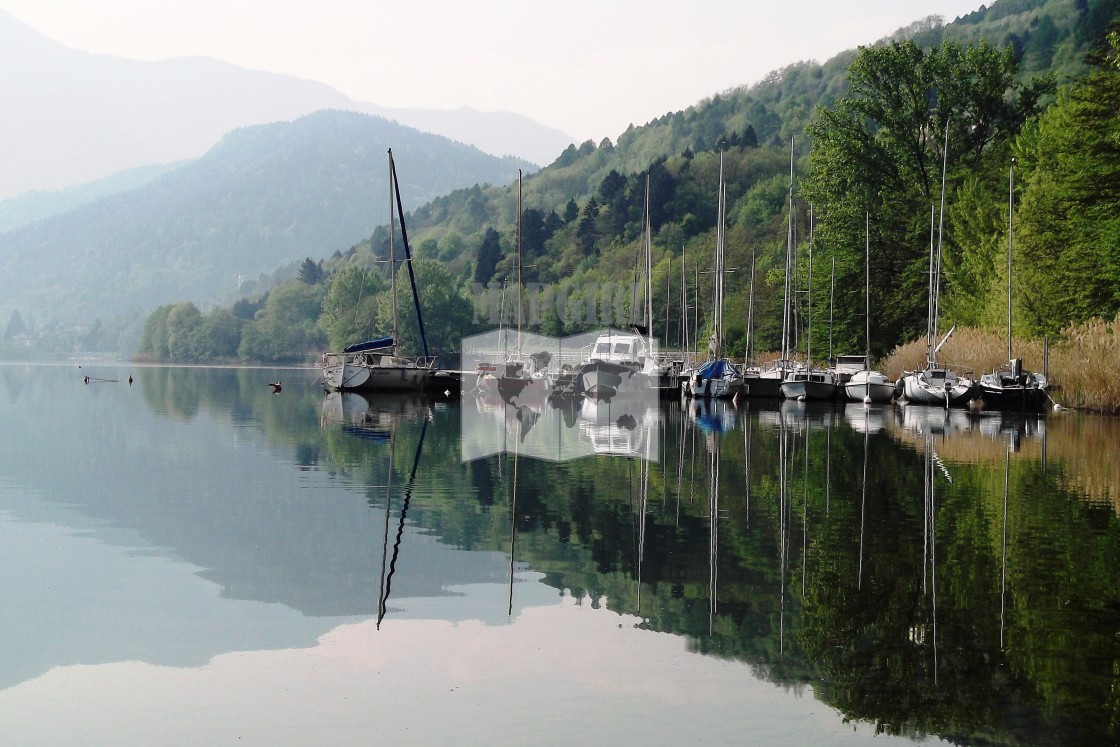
(519, 286)
(408, 254)
(392, 255)
(684, 299)
(940, 232)
(649, 269)
(789, 260)
(1010, 233)
(748, 351)
(867, 288)
(668, 289)
(720, 231)
(831, 306)
(809, 296)
(930, 308)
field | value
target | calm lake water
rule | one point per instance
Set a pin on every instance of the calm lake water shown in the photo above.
(193, 559)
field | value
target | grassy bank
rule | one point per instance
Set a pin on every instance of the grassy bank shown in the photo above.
(1084, 365)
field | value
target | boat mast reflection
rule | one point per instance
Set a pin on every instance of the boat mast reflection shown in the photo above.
(387, 578)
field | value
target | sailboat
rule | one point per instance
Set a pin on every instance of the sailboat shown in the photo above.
(808, 382)
(934, 384)
(519, 379)
(376, 365)
(717, 377)
(866, 385)
(1012, 386)
(627, 363)
(768, 382)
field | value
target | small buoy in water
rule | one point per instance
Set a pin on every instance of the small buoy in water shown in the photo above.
(446, 392)
(1058, 408)
(276, 387)
(130, 379)
(801, 398)
(866, 399)
(85, 379)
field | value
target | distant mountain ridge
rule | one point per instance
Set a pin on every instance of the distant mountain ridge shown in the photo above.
(72, 117)
(264, 196)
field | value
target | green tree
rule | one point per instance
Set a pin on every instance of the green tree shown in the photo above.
(448, 314)
(221, 334)
(245, 310)
(153, 341)
(489, 253)
(586, 231)
(1068, 227)
(880, 151)
(310, 271)
(286, 329)
(349, 310)
(184, 327)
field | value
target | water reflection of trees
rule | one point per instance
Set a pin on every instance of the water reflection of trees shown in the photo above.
(823, 577)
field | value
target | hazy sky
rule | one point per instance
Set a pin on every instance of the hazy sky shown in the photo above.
(587, 67)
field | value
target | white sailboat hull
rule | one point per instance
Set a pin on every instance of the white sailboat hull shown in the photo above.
(355, 375)
(938, 387)
(869, 386)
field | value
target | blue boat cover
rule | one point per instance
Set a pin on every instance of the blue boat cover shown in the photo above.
(359, 347)
(714, 370)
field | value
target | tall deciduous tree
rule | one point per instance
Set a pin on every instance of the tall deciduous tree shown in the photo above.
(448, 315)
(350, 307)
(1068, 232)
(880, 151)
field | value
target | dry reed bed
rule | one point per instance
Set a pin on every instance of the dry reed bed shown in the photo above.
(1084, 365)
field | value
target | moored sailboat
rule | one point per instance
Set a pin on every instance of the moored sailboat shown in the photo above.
(520, 379)
(866, 385)
(808, 382)
(621, 363)
(1013, 386)
(716, 377)
(934, 384)
(377, 365)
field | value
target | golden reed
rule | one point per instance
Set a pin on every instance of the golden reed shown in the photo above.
(1084, 365)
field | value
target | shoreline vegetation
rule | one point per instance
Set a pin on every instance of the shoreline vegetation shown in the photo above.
(1083, 366)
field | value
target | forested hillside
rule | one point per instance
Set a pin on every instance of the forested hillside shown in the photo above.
(869, 128)
(264, 197)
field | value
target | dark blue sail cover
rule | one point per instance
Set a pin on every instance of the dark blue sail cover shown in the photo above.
(715, 370)
(361, 347)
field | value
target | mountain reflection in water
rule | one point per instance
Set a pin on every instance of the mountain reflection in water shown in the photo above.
(922, 572)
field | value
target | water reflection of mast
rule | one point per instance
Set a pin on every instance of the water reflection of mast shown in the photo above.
(783, 452)
(828, 467)
(1003, 562)
(747, 432)
(381, 594)
(930, 541)
(805, 511)
(513, 517)
(681, 441)
(388, 578)
(862, 508)
(713, 529)
(643, 503)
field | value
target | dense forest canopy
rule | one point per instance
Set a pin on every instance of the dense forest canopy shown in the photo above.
(869, 128)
